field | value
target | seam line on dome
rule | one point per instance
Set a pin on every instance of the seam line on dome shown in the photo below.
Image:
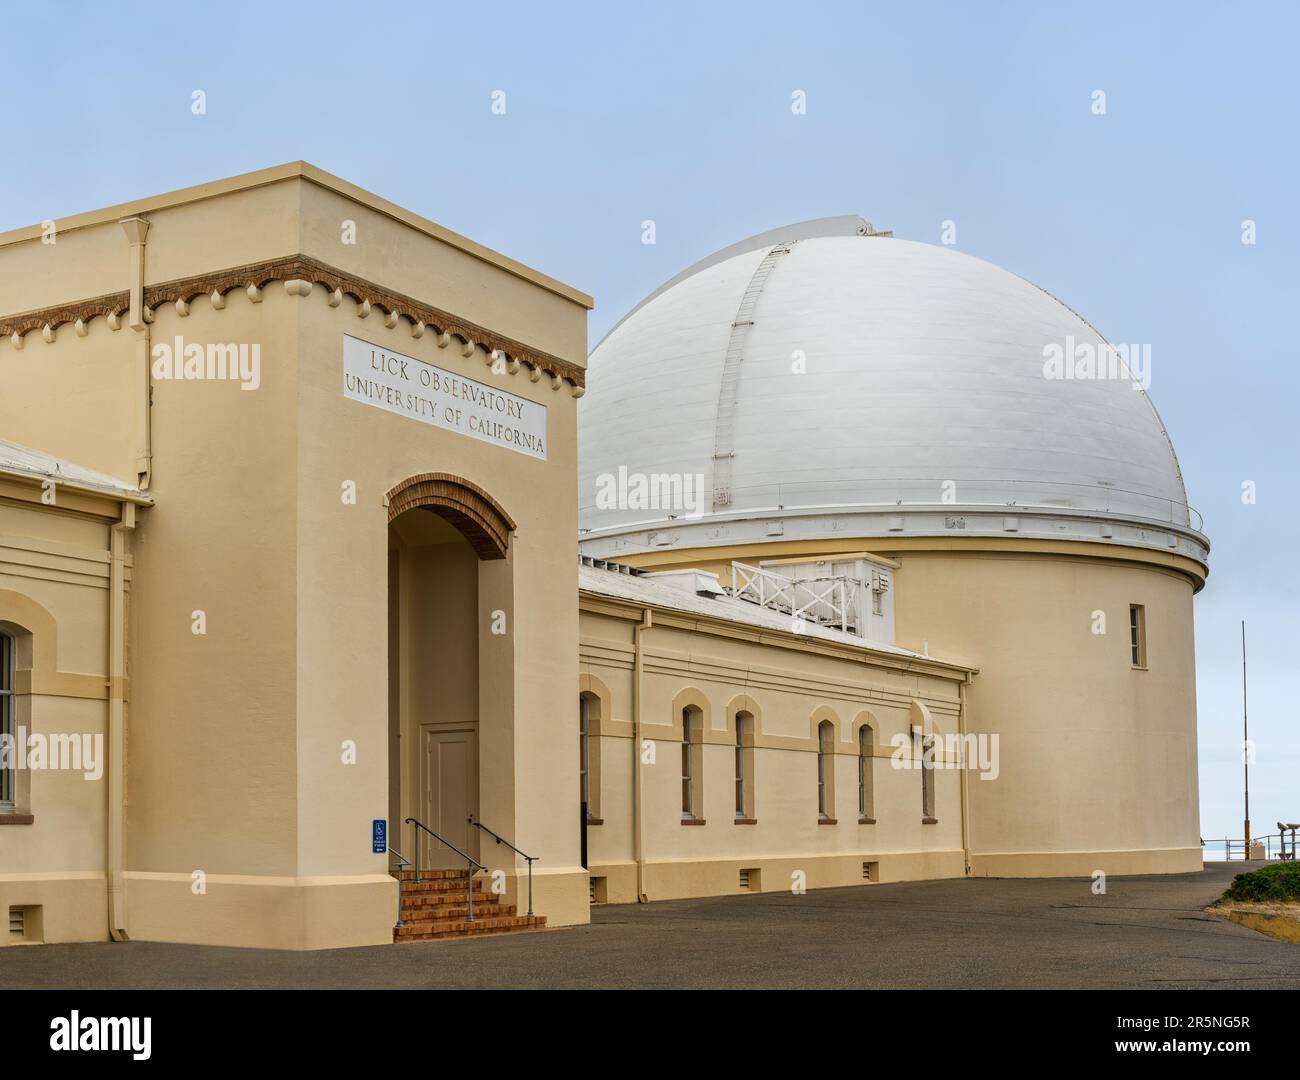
(724, 431)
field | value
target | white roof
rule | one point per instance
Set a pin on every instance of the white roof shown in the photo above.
(923, 365)
(652, 593)
(24, 461)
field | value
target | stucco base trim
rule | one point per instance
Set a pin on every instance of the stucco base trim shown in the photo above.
(689, 879)
(1026, 864)
(73, 905)
(263, 913)
(559, 893)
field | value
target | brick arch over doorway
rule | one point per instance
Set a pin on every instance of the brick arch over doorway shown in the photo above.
(478, 516)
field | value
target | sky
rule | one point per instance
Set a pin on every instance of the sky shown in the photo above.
(680, 113)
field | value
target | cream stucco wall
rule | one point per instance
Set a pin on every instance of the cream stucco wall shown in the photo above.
(54, 588)
(538, 595)
(788, 686)
(244, 822)
(1098, 767)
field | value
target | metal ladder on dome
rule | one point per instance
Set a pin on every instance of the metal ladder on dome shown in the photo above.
(729, 389)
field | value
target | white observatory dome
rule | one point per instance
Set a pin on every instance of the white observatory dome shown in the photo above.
(826, 381)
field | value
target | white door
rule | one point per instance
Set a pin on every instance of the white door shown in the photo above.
(449, 787)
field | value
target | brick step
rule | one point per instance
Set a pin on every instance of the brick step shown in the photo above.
(447, 896)
(455, 911)
(439, 929)
(412, 888)
(442, 896)
(431, 875)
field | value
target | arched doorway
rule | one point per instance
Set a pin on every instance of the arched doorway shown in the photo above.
(442, 532)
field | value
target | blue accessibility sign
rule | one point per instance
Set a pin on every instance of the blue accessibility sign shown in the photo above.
(379, 836)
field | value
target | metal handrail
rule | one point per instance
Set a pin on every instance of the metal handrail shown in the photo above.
(471, 868)
(405, 862)
(502, 840)
(1235, 847)
(825, 600)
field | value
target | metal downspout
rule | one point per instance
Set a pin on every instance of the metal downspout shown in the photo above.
(965, 774)
(137, 229)
(638, 840)
(117, 720)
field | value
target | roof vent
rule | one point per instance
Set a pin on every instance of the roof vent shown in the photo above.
(699, 582)
(608, 564)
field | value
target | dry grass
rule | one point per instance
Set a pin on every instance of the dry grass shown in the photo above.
(1277, 919)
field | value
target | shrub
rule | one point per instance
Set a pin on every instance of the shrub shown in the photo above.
(1279, 882)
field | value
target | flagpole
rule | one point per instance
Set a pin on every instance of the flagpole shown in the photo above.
(1245, 738)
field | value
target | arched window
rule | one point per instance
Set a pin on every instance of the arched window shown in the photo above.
(744, 767)
(8, 779)
(927, 780)
(866, 778)
(589, 755)
(740, 765)
(692, 764)
(922, 724)
(584, 753)
(826, 771)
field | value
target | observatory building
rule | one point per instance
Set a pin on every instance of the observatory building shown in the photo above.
(290, 604)
(880, 417)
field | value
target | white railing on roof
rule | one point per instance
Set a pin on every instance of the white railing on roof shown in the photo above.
(826, 601)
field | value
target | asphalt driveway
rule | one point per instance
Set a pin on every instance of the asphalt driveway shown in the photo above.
(1146, 932)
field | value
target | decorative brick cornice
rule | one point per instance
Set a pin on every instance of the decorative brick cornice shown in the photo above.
(478, 516)
(78, 313)
(297, 271)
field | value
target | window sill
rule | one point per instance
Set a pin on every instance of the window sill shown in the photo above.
(744, 821)
(1140, 667)
(693, 821)
(929, 821)
(8, 817)
(595, 821)
(866, 821)
(827, 821)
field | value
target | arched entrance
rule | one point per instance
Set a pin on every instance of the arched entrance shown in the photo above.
(475, 514)
(448, 552)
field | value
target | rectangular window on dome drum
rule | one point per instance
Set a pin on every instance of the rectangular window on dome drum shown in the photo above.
(1137, 629)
